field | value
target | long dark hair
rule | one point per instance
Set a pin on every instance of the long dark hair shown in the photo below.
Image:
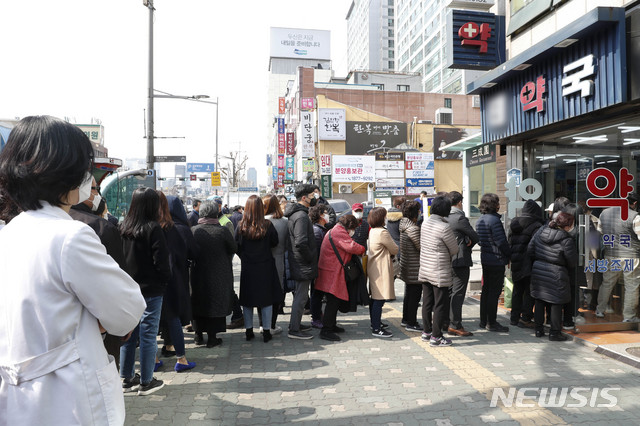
(253, 225)
(44, 159)
(164, 216)
(272, 206)
(145, 208)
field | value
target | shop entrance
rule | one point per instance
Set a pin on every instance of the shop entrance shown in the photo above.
(561, 164)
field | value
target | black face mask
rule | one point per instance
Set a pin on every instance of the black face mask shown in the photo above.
(101, 207)
(313, 201)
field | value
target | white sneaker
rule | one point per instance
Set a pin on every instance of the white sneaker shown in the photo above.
(609, 310)
(632, 319)
(599, 314)
(276, 330)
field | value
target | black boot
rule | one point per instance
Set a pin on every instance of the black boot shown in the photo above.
(266, 335)
(198, 339)
(249, 334)
(557, 337)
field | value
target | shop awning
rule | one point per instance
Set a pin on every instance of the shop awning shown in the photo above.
(550, 46)
(464, 143)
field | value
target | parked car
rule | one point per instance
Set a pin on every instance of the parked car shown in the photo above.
(341, 207)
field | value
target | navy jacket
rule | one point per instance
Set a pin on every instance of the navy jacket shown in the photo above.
(494, 248)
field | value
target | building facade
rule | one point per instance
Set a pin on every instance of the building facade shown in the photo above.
(371, 35)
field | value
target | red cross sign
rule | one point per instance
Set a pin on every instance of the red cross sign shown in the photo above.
(469, 31)
(531, 94)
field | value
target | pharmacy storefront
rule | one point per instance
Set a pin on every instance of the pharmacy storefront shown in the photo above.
(565, 118)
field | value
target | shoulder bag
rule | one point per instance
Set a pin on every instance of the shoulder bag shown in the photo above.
(351, 270)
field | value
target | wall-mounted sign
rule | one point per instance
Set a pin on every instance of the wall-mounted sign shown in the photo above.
(475, 40)
(331, 124)
(201, 167)
(280, 125)
(281, 161)
(443, 136)
(394, 191)
(426, 157)
(367, 137)
(325, 186)
(281, 105)
(384, 174)
(389, 165)
(289, 168)
(307, 103)
(389, 182)
(300, 44)
(308, 165)
(389, 156)
(291, 145)
(578, 77)
(429, 173)
(306, 134)
(215, 179)
(325, 164)
(481, 155)
(420, 182)
(353, 168)
(532, 94)
(515, 174)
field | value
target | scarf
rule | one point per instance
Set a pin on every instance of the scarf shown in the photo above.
(208, 221)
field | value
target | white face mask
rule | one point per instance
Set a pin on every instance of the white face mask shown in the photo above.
(96, 202)
(351, 233)
(358, 215)
(315, 194)
(84, 190)
(326, 217)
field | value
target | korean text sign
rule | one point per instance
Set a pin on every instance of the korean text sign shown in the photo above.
(306, 138)
(353, 168)
(332, 124)
(601, 192)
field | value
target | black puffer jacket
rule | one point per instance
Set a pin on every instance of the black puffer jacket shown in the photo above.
(522, 229)
(553, 252)
(494, 248)
(303, 251)
(410, 246)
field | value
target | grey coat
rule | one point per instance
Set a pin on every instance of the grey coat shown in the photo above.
(410, 247)
(464, 234)
(212, 272)
(437, 246)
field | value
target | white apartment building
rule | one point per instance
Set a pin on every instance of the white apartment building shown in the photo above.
(421, 46)
(371, 35)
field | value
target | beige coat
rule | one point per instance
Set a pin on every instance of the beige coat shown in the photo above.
(437, 245)
(379, 266)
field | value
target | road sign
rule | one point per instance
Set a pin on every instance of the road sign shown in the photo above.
(193, 177)
(248, 189)
(170, 158)
(420, 182)
(516, 174)
(215, 179)
(201, 167)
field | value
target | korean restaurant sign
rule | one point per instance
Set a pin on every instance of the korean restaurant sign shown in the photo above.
(475, 40)
(331, 124)
(367, 137)
(557, 85)
(306, 134)
(353, 168)
(307, 103)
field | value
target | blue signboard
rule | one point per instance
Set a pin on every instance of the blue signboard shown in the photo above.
(274, 173)
(288, 171)
(475, 40)
(248, 189)
(514, 174)
(420, 182)
(201, 167)
(280, 125)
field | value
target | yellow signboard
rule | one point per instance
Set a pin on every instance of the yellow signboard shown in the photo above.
(215, 179)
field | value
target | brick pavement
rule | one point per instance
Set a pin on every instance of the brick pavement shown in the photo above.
(364, 380)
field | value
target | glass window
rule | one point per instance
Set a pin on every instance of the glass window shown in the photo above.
(447, 102)
(391, 65)
(482, 179)
(390, 43)
(378, 85)
(403, 87)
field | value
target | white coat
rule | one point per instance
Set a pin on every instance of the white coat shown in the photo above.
(56, 282)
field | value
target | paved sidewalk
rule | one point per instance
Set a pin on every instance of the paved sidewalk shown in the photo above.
(366, 380)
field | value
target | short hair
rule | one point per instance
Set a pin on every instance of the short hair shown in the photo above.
(563, 219)
(316, 212)
(196, 202)
(303, 190)
(411, 209)
(441, 206)
(316, 187)
(144, 208)
(209, 209)
(349, 222)
(272, 206)
(455, 197)
(44, 159)
(489, 203)
(423, 193)
(399, 201)
(573, 209)
(376, 217)
(559, 204)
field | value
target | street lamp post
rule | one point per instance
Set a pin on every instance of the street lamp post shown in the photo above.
(152, 95)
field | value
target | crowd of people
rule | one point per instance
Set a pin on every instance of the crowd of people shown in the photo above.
(77, 288)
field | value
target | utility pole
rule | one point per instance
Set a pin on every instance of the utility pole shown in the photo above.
(150, 95)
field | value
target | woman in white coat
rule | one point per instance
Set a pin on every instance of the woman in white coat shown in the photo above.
(59, 287)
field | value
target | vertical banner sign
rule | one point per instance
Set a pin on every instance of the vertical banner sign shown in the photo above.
(288, 172)
(281, 143)
(281, 125)
(325, 186)
(281, 105)
(307, 135)
(332, 124)
(281, 161)
(307, 104)
(291, 147)
(325, 164)
(280, 178)
(274, 174)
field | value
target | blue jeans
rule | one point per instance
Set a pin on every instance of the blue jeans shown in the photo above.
(375, 312)
(177, 336)
(147, 331)
(266, 316)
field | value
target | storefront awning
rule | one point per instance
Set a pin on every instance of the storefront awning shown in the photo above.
(464, 143)
(581, 27)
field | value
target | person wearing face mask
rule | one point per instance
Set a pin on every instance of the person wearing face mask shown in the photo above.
(88, 211)
(302, 256)
(319, 217)
(60, 289)
(554, 254)
(361, 234)
(330, 211)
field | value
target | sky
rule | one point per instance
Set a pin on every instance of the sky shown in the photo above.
(85, 59)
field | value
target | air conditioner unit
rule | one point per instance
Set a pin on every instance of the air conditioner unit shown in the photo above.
(344, 189)
(475, 101)
(444, 116)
